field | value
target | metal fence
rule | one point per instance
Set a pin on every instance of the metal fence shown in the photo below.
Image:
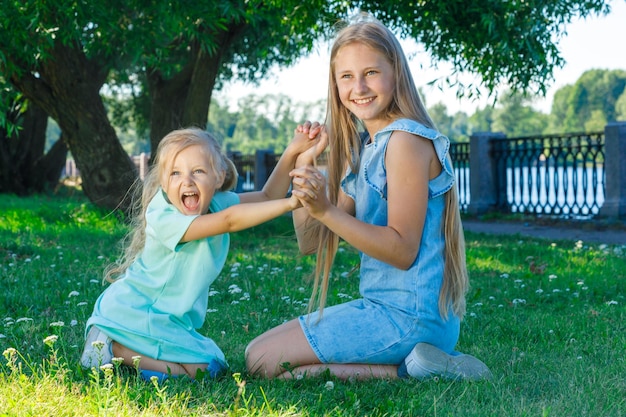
(460, 154)
(561, 175)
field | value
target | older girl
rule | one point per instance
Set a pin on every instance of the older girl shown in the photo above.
(391, 195)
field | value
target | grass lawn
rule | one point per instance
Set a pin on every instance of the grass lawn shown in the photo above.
(547, 317)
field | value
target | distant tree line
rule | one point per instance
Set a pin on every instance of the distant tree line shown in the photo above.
(596, 98)
(109, 72)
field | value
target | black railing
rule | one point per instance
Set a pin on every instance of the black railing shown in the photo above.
(460, 154)
(557, 175)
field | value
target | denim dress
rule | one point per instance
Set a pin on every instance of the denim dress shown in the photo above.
(398, 307)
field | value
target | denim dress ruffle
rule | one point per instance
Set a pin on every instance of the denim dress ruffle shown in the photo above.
(398, 308)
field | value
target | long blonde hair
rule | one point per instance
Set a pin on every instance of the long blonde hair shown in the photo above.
(143, 191)
(344, 149)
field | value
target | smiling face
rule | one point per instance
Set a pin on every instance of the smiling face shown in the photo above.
(191, 181)
(365, 83)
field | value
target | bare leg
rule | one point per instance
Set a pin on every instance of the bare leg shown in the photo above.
(285, 352)
(346, 371)
(120, 351)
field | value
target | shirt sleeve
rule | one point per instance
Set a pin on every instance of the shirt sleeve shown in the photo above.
(164, 222)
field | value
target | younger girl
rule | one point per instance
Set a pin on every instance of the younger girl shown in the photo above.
(158, 298)
(391, 195)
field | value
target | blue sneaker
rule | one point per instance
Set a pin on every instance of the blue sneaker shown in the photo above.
(98, 349)
(427, 361)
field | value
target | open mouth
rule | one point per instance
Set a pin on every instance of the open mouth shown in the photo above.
(190, 201)
(363, 100)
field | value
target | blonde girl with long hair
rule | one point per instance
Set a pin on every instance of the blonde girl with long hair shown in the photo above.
(389, 192)
(158, 297)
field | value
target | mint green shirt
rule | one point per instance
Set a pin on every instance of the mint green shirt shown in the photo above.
(158, 305)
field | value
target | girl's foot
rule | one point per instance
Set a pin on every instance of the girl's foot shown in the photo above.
(427, 361)
(98, 349)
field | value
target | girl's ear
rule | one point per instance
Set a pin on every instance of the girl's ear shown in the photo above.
(221, 175)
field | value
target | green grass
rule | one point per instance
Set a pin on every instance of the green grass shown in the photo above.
(547, 317)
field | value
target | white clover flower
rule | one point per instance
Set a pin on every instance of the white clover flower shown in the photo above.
(82, 303)
(106, 366)
(2, 336)
(234, 275)
(330, 385)
(539, 291)
(57, 324)
(27, 260)
(551, 277)
(23, 319)
(298, 268)
(611, 303)
(213, 292)
(94, 281)
(74, 323)
(9, 352)
(49, 341)
(505, 275)
(517, 301)
(73, 294)
(234, 289)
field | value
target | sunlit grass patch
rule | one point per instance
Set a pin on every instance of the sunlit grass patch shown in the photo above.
(547, 317)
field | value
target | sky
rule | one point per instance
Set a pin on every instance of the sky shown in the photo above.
(592, 43)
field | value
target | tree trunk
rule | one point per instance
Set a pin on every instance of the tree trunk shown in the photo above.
(25, 168)
(183, 100)
(67, 88)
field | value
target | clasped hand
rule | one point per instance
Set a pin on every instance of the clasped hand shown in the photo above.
(309, 183)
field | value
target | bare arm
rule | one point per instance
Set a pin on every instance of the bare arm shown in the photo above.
(306, 138)
(237, 217)
(304, 224)
(410, 163)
